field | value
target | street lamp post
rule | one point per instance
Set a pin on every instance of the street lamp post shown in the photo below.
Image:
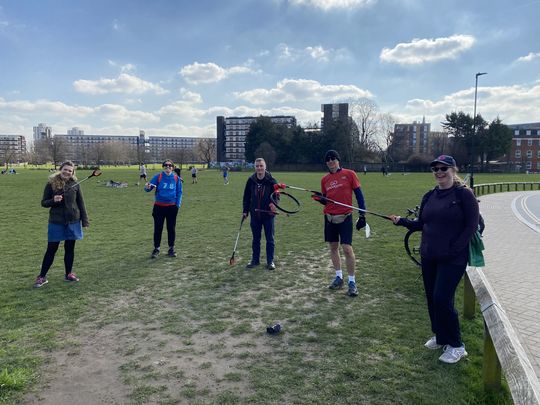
(471, 182)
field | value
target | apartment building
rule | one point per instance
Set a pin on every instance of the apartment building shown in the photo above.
(232, 132)
(12, 148)
(525, 149)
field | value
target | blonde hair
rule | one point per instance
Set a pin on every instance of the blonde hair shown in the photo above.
(260, 160)
(458, 181)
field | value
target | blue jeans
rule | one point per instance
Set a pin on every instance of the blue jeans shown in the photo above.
(257, 223)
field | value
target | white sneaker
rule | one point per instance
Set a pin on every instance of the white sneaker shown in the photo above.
(453, 354)
(432, 343)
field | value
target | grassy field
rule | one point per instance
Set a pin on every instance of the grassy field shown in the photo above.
(193, 329)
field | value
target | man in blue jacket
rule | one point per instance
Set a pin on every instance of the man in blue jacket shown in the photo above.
(167, 203)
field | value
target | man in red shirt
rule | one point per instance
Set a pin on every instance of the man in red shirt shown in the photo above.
(339, 185)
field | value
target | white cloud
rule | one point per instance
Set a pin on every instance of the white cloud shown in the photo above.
(198, 73)
(182, 110)
(289, 90)
(119, 113)
(513, 104)
(427, 50)
(191, 96)
(128, 67)
(124, 83)
(327, 5)
(44, 107)
(529, 58)
(309, 53)
(106, 112)
(302, 116)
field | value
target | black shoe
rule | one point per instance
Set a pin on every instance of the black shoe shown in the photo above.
(353, 291)
(155, 253)
(252, 265)
(336, 284)
(171, 252)
(271, 266)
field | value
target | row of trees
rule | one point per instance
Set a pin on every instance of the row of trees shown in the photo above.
(368, 137)
(56, 150)
(477, 140)
(358, 138)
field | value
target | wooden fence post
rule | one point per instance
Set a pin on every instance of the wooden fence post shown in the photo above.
(469, 298)
(491, 368)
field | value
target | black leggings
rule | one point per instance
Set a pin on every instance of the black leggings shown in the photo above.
(160, 214)
(48, 259)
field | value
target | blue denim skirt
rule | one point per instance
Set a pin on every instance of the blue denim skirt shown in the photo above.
(60, 232)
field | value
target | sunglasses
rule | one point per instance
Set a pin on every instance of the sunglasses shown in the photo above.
(168, 165)
(331, 158)
(442, 169)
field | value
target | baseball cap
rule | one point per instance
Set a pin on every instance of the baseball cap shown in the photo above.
(445, 160)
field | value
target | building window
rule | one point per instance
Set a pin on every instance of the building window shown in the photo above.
(538, 154)
(529, 154)
(528, 132)
(516, 132)
(518, 154)
(518, 142)
(529, 165)
(529, 142)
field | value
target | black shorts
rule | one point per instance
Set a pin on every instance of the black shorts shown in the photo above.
(339, 232)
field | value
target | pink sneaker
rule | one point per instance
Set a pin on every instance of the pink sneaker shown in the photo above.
(71, 277)
(40, 282)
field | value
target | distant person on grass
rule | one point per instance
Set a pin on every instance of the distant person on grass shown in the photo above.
(168, 199)
(178, 172)
(448, 218)
(340, 185)
(67, 217)
(193, 175)
(142, 173)
(225, 175)
(259, 187)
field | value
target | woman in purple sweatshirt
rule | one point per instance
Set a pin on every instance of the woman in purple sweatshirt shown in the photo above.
(448, 218)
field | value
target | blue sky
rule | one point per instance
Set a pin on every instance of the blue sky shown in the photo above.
(170, 67)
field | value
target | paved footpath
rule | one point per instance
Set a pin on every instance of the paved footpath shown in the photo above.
(512, 242)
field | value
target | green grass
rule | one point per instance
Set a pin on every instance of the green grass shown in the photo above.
(193, 328)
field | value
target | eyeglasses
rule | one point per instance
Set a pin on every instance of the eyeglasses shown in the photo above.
(328, 159)
(168, 165)
(442, 169)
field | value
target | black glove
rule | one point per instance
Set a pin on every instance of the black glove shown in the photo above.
(319, 197)
(361, 222)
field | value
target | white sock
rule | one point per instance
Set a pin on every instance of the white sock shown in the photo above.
(352, 278)
(339, 274)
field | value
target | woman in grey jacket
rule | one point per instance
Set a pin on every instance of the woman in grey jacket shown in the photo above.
(67, 216)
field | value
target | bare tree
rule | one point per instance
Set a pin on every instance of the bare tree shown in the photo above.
(180, 156)
(206, 150)
(365, 114)
(115, 152)
(97, 153)
(385, 135)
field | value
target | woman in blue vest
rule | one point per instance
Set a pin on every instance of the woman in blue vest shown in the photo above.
(167, 202)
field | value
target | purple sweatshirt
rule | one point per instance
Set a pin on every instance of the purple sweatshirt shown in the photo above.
(448, 219)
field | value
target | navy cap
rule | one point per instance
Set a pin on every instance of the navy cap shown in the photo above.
(445, 160)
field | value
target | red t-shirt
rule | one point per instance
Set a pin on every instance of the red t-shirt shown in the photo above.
(339, 186)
